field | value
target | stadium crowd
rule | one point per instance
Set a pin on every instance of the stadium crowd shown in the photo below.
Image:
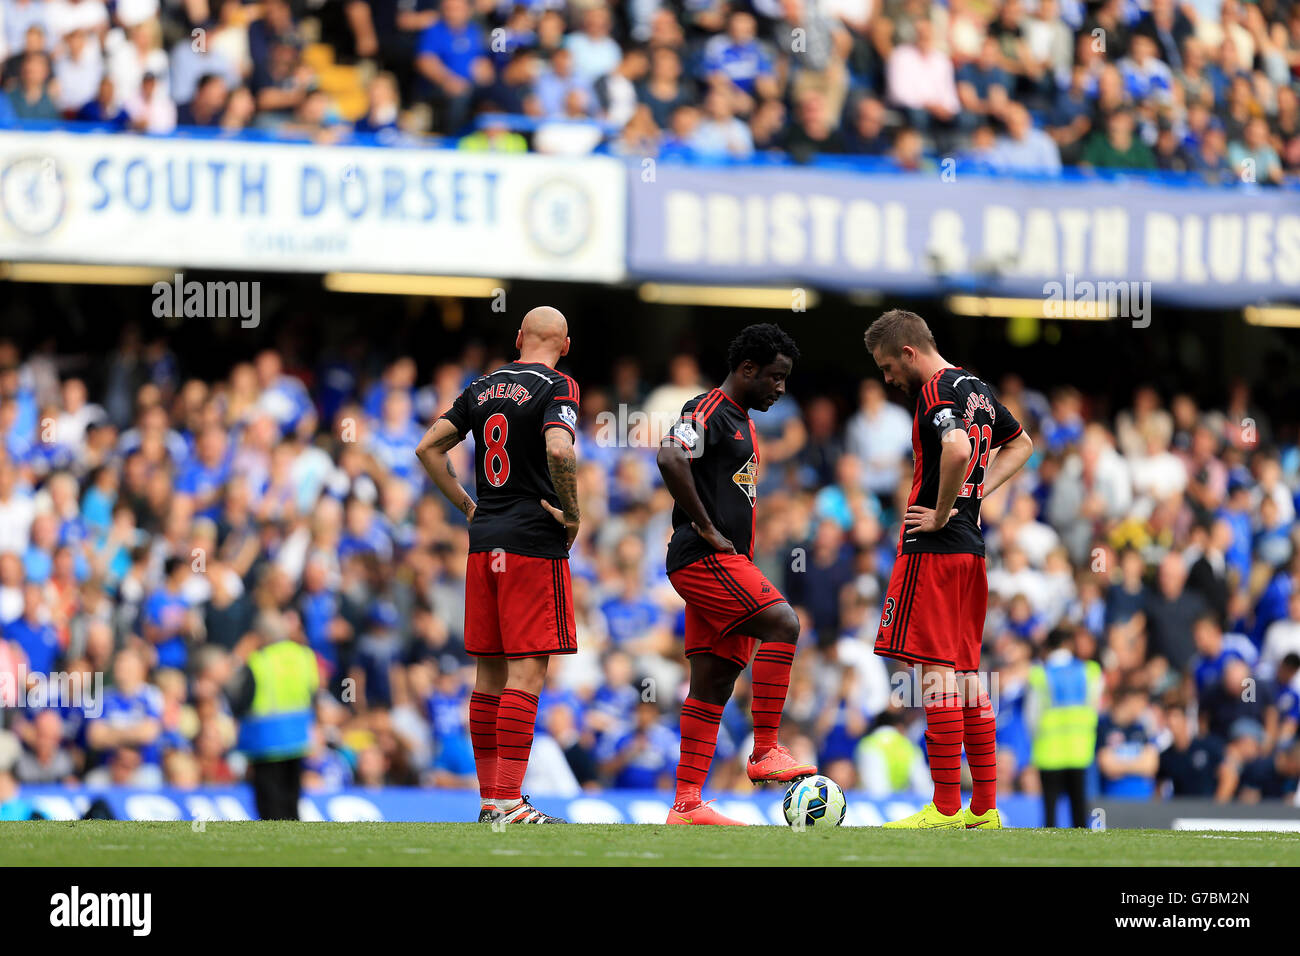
(1202, 87)
(150, 529)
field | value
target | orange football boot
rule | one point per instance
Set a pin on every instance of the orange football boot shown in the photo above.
(703, 815)
(777, 766)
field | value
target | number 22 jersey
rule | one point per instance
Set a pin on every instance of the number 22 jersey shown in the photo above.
(954, 399)
(508, 412)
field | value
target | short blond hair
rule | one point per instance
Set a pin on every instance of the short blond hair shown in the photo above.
(897, 328)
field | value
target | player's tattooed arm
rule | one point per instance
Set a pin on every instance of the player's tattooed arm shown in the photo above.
(562, 459)
(441, 438)
(1008, 460)
(675, 466)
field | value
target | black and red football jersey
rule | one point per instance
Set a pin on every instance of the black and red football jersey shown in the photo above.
(719, 436)
(954, 398)
(508, 412)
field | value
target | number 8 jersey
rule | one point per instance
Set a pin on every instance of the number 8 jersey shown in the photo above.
(508, 412)
(954, 398)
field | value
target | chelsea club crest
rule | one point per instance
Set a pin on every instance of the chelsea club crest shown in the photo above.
(33, 197)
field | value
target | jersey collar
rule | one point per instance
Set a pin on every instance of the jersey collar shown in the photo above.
(732, 400)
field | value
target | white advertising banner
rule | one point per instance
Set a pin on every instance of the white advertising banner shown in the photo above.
(218, 203)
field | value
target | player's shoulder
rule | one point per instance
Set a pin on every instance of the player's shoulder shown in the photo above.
(566, 387)
(536, 379)
(691, 404)
(939, 389)
(708, 405)
(950, 384)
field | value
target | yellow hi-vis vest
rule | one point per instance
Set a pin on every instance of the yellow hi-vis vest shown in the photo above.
(1067, 694)
(278, 724)
(896, 751)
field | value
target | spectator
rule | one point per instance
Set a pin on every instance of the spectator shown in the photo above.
(208, 104)
(104, 109)
(1117, 148)
(1189, 766)
(78, 68)
(767, 126)
(676, 139)
(880, 435)
(812, 132)
(1210, 161)
(561, 88)
(30, 98)
(1025, 149)
(1146, 76)
(33, 633)
(907, 155)
(1281, 639)
(167, 621)
(616, 92)
(1253, 157)
(19, 19)
(664, 92)
(131, 723)
(46, 761)
(720, 135)
(818, 50)
(1171, 612)
(645, 756)
(595, 53)
(281, 85)
(1126, 758)
(983, 86)
(865, 134)
(922, 82)
(151, 110)
(740, 58)
(451, 57)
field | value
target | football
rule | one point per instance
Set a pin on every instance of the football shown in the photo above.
(814, 801)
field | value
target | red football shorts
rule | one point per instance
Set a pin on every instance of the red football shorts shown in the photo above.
(722, 592)
(518, 606)
(934, 610)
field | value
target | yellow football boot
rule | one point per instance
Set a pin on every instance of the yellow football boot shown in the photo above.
(988, 820)
(928, 818)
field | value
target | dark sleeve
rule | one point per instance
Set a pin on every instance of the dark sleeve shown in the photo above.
(687, 432)
(939, 406)
(562, 408)
(1005, 426)
(458, 414)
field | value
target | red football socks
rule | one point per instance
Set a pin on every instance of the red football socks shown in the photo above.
(981, 754)
(944, 725)
(516, 716)
(483, 734)
(771, 681)
(699, 738)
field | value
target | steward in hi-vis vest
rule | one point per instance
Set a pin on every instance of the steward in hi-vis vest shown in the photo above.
(273, 696)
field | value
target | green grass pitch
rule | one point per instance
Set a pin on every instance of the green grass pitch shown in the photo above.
(121, 843)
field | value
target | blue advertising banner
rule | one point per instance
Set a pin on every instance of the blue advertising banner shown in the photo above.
(954, 231)
(403, 803)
